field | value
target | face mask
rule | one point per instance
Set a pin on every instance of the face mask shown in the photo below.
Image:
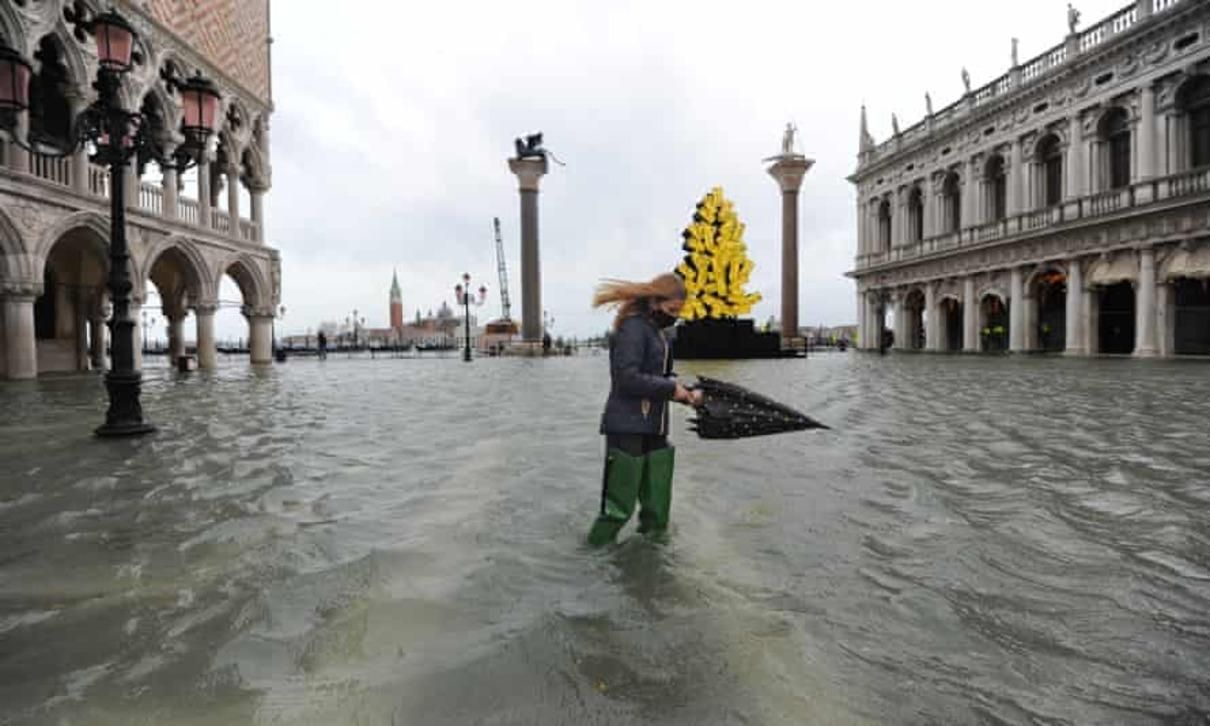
(662, 319)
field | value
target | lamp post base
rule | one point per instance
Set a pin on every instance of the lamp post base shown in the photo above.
(125, 414)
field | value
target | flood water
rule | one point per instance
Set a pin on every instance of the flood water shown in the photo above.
(977, 540)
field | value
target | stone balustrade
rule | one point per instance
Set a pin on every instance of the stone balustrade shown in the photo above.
(1135, 197)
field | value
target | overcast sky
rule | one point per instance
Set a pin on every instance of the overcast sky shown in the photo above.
(392, 129)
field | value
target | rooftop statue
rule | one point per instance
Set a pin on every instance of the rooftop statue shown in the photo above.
(895, 124)
(1073, 18)
(966, 80)
(1015, 61)
(928, 103)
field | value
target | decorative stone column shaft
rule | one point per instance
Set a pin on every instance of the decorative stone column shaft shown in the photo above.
(931, 317)
(1144, 344)
(1075, 312)
(529, 172)
(203, 195)
(970, 317)
(232, 174)
(1016, 312)
(96, 331)
(789, 170)
(207, 352)
(260, 337)
(20, 346)
(168, 186)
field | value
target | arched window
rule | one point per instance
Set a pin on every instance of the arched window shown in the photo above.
(951, 197)
(1195, 102)
(997, 188)
(884, 225)
(1050, 163)
(1114, 134)
(915, 208)
(49, 112)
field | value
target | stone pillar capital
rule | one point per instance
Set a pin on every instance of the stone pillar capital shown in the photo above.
(205, 308)
(789, 170)
(529, 171)
(20, 290)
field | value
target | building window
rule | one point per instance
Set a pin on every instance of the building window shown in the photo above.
(1115, 141)
(916, 214)
(1050, 160)
(997, 188)
(884, 225)
(1195, 101)
(951, 195)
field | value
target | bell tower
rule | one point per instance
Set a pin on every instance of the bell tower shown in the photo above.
(396, 303)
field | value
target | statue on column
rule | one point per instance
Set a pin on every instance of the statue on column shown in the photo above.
(966, 80)
(928, 104)
(1015, 61)
(894, 124)
(531, 148)
(787, 140)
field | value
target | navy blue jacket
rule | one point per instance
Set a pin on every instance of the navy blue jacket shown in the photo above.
(640, 369)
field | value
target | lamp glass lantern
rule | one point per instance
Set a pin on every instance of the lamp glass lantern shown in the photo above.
(15, 73)
(201, 101)
(115, 41)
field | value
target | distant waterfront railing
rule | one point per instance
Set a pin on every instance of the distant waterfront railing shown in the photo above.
(1138, 196)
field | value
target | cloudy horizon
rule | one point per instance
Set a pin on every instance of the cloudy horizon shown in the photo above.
(392, 128)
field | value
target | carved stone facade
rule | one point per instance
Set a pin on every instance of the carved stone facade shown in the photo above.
(1064, 206)
(184, 237)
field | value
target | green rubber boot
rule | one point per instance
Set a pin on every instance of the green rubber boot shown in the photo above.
(623, 473)
(655, 491)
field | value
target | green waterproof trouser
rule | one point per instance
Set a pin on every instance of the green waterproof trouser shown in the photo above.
(646, 479)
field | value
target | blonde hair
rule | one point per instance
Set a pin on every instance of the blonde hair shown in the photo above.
(635, 298)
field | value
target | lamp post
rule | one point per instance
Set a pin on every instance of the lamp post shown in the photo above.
(118, 136)
(462, 293)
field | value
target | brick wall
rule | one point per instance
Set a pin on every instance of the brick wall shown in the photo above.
(232, 34)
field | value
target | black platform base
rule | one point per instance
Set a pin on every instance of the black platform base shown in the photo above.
(727, 339)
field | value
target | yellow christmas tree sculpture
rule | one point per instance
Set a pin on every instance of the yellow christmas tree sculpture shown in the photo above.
(716, 266)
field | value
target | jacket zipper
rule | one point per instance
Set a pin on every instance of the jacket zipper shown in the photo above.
(664, 371)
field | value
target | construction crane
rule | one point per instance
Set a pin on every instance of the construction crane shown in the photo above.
(504, 305)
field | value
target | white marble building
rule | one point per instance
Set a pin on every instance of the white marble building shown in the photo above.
(54, 212)
(1065, 206)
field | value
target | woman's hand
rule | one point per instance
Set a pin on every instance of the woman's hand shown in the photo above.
(688, 397)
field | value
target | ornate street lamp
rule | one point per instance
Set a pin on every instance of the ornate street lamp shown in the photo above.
(117, 137)
(463, 296)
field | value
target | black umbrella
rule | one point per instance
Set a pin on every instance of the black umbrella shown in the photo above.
(729, 411)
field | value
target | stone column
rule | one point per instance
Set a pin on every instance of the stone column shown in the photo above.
(232, 174)
(256, 195)
(970, 206)
(96, 334)
(1075, 309)
(898, 219)
(260, 337)
(77, 101)
(931, 312)
(1165, 320)
(1016, 312)
(176, 336)
(20, 347)
(529, 172)
(789, 171)
(970, 317)
(860, 342)
(1147, 161)
(168, 185)
(1144, 328)
(900, 319)
(203, 193)
(207, 352)
(1075, 159)
(1015, 177)
(18, 158)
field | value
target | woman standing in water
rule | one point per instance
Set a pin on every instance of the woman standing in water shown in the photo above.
(638, 459)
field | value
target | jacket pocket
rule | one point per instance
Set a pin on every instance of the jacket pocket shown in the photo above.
(645, 407)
